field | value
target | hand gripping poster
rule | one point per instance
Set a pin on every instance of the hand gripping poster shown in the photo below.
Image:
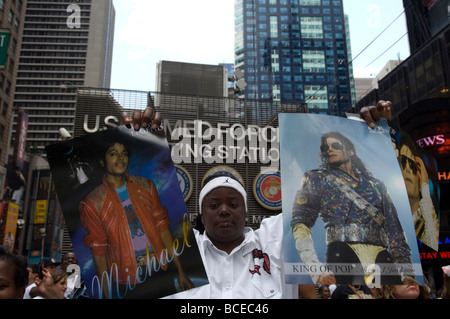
(125, 214)
(346, 215)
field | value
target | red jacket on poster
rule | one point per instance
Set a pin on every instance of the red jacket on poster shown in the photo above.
(108, 233)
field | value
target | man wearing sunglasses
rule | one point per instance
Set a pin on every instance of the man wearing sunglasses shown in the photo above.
(426, 223)
(361, 222)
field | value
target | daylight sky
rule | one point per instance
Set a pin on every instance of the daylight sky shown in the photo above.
(202, 31)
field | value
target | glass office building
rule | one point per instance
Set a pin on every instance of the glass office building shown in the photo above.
(294, 50)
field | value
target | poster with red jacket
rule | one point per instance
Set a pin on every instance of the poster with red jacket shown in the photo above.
(126, 215)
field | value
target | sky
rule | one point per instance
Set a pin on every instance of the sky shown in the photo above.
(202, 31)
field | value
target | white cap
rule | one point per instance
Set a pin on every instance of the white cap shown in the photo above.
(222, 181)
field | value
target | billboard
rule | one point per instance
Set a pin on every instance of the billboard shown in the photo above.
(12, 214)
(21, 140)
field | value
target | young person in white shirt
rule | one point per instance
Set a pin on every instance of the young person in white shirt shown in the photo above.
(241, 263)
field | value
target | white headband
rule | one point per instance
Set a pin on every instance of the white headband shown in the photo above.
(222, 181)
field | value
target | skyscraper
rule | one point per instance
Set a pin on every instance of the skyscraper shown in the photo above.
(65, 44)
(11, 21)
(294, 50)
(425, 19)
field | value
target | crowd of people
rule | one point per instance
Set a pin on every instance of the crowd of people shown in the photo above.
(47, 280)
(51, 280)
(411, 289)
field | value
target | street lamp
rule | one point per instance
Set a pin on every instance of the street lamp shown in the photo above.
(66, 85)
(42, 231)
(64, 134)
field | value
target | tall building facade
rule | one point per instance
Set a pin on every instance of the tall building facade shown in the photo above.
(294, 50)
(65, 45)
(419, 88)
(191, 79)
(11, 21)
(425, 19)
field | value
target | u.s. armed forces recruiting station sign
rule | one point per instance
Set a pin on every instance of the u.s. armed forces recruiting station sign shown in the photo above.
(199, 142)
(196, 142)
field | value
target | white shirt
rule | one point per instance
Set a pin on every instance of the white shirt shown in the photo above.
(26, 295)
(253, 270)
(71, 282)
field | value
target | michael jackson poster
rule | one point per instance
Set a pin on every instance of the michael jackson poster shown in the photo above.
(420, 173)
(346, 215)
(125, 214)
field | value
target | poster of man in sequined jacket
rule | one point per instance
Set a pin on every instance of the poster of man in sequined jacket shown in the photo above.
(341, 222)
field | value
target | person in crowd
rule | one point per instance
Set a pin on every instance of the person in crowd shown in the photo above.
(60, 279)
(68, 259)
(352, 292)
(446, 279)
(13, 275)
(33, 271)
(240, 262)
(76, 287)
(410, 289)
(50, 265)
(59, 286)
(324, 292)
(47, 287)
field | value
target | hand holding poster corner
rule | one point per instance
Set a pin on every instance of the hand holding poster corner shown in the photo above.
(345, 208)
(133, 239)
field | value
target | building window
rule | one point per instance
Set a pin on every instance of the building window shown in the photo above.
(10, 16)
(316, 96)
(274, 27)
(309, 2)
(313, 61)
(275, 61)
(311, 27)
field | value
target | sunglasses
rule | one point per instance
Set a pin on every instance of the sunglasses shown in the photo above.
(336, 146)
(412, 164)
